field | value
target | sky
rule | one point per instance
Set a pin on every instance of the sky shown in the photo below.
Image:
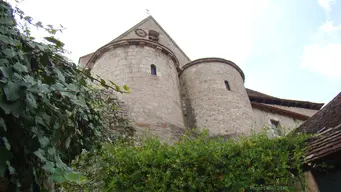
(287, 48)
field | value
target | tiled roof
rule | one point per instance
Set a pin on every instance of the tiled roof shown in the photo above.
(326, 125)
(327, 142)
(259, 97)
(329, 116)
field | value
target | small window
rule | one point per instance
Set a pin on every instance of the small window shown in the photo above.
(276, 127)
(227, 85)
(153, 69)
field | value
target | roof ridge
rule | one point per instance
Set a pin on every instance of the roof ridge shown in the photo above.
(132, 28)
(142, 22)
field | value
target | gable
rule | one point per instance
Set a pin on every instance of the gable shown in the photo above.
(151, 24)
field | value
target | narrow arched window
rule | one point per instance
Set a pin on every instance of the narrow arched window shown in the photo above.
(227, 85)
(153, 69)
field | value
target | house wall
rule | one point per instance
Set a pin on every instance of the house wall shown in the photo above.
(263, 120)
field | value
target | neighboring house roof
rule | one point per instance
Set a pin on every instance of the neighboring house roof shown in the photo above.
(327, 142)
(329, 116)
(259, 97)
(326, 124)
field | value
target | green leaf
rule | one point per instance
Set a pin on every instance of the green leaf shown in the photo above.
(80, 101)
(7, 145)
(3, 62)
(73, 87)
(39, 24)
(67, 142)
(40, 121)
(55, 41)
(72, 177)
(12, 91)
(61, 77)
(104, 84)
(44, 141)
(12, 108)
(28, 19)
(125, 87)
(6, 72)
(10, 168)
(3, 123)
(49, 167)
(117, 88)
(20, 67)
(52, 151)
(9, 52)
(40, 154)
(5, 39)
(31, 101)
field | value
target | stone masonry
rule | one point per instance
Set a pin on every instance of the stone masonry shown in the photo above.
(209, 104)
(154, 101)
(183, 94)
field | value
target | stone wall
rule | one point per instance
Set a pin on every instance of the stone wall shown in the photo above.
(263, 120)
(207, 102)
(154, 102)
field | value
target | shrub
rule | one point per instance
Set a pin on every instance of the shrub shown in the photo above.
(196, 164)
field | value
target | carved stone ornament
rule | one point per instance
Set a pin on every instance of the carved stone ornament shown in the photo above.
(140, 33)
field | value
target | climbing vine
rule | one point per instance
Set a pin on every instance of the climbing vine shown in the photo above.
(49, 109)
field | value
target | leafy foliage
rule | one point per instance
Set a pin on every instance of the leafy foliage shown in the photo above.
(195, 164)
(49, 112)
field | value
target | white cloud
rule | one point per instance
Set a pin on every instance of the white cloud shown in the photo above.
(329, 27)
(323, 59)
(326, 4)
(323, 56)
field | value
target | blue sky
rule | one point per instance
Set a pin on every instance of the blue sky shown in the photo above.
(281, 49)
(286, 48)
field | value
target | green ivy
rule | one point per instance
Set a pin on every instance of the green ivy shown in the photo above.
(196, 164)
(49, 112)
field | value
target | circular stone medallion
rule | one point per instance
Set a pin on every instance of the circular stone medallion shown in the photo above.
(140, 33)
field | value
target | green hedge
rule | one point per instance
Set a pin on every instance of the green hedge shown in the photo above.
(200, 164)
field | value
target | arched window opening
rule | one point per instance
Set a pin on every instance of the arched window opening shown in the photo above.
(153, 69)
(227, 85)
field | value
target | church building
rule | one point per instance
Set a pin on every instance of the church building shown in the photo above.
(171, 93)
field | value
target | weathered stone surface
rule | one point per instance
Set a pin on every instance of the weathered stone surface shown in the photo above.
(208, 104)
(154, 99)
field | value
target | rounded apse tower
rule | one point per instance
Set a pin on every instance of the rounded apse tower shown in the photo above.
(150, 70)
(215, 98)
